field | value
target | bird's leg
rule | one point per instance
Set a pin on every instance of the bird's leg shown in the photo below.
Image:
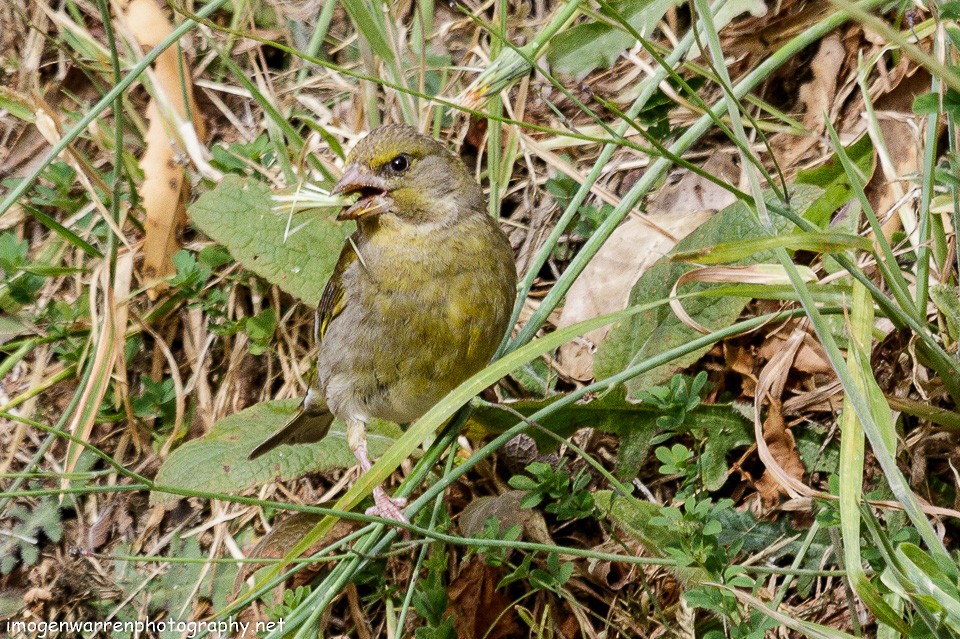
(386, 506)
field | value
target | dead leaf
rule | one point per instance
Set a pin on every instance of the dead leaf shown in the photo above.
(810, 357)
(816, 97)
(479, 608)
(614, 575)
(285, 535)
(163, 192)
(605, 284)
(783, 448)
(775, 444)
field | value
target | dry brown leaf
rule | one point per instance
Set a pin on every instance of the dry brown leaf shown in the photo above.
(743, 361)
(778, 453)
(110, 341)
(480, 609)
(900, 133)
(163, 192)
(750, 274)
(816, 97)
(783, 448)
(284, 536)
(810, 357)
(605, 284)
(614, 575)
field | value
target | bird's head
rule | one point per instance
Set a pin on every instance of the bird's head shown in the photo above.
(401, 173)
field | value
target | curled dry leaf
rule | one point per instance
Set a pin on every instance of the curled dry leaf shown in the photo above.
(783, 448)
(605, 284)
(164, 192)
(897, 136)
(614, 575)
(810, 358)
(750, 274)
(775, 444)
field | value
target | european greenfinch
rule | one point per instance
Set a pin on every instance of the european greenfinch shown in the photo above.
(419, 300)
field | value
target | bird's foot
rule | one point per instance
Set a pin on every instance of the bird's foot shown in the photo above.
(388, 507)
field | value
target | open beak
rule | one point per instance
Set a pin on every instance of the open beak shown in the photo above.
(372, 189)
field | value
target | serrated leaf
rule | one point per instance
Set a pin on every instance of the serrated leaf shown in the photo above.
(21, 542)
(657, 330)
(238, 215)
(635, 518)
(636, 424)
(218, 461)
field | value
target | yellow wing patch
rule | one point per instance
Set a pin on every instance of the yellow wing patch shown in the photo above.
(332, 302)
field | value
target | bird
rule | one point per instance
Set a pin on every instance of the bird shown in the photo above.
(419, 300)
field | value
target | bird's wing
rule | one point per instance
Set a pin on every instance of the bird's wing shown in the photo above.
(312, 420)
(332, 302)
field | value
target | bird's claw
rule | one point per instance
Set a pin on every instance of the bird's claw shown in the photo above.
(388, 507)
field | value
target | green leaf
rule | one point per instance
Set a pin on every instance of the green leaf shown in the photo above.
(17, 105)
(727, 431)
(370, 26)
(635, 518)
(927, 584)
(926, 104)
(821, 242)
(238, 215)
(831, 177)
(10, 603)
(593, 45)
(218, 461)
(610, 413)
(260, 329)
(657, 330)
(947, 302)
(20, 542)
(636, 424)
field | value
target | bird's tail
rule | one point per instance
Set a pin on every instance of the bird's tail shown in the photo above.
(308, 425)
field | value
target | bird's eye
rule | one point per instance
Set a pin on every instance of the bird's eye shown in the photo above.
(400, 163)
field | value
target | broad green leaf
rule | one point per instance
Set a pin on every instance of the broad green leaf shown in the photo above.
(608, 413)
(596, 44)
(218, 461)
(831, 177)
(820, 242)
(10, 603)
(238, 215)
(17, 105)
(659, 329)
(926, 104)
(947, 301)
(12, 326)
(727, 431)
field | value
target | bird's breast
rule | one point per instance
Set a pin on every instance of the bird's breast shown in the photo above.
(419, 318)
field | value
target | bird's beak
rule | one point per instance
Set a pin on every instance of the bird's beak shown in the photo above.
(372, 190)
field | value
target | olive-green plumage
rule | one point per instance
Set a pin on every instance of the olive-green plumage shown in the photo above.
(421, 295)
